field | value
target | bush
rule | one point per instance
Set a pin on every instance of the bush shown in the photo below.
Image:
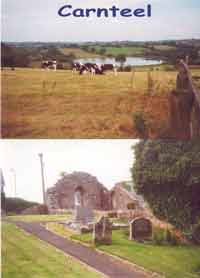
(167, 175)
(171, 237)
(140, 124)
(127, 68)
(17, 205)
(159, 236)
(196, 233)
(35, 210)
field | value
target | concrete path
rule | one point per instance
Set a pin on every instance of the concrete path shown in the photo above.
(111, 267)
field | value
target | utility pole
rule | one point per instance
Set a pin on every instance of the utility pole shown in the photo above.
(42, 175)
(15, 181)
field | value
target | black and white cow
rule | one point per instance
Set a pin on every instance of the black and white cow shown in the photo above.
(76, 67)
(91, 68)
(47, 65)
(109, 67)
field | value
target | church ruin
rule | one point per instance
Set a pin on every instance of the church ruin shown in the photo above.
(83, 189)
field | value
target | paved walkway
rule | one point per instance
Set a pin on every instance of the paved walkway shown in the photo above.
(111, 267)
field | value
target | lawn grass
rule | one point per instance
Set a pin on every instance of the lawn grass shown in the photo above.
(60, 230)
(46, 104)
(38, 218)
(170, 261)
(24, 256)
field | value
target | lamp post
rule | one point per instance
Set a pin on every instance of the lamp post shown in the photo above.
(42, 175)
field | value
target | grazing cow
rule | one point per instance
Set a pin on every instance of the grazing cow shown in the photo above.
(94, 68)
(47, 65)
(76, 67)
(83, 69)
(111, 67)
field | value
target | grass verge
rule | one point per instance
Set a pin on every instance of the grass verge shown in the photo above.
(38, 218)
(25, 256)
(170, 261)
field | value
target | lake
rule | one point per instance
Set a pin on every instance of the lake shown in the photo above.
(130, 61)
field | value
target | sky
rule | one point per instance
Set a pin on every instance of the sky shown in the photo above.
(38, 20)
(109, 160)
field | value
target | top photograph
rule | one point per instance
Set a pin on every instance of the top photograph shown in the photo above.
(111, 69)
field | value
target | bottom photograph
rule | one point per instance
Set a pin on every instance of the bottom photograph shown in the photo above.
(100, 208)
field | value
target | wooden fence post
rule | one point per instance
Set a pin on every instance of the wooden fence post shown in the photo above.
(184, 106)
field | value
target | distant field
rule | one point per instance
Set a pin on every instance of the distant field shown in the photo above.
(24, 256)
(110, 50)
(164, 47)
(128, 51)
(41, 104)
(79, 53)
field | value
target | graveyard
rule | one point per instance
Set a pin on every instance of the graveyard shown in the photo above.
(161, 258)
(84, 227)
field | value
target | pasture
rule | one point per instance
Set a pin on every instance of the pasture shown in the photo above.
(47, 104)
(123, 50)
(78, 52)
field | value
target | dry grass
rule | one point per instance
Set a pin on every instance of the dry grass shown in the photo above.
(41, 104)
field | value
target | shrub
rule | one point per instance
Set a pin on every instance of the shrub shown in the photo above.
(159, 236)
(127, 68)
(171, 237)
(17, 205)
(167, 175)
(196, 233)
(38, 209)
(140, 124)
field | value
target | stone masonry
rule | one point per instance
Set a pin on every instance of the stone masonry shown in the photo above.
(94, 195)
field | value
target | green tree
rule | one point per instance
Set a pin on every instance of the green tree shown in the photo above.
(121, 58)
(102, 51)
(167, 174)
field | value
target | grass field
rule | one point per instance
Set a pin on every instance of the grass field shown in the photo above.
(24, 256)
(170, 261)
(78, 52)
(42, 104)
(38, 218)
(127, 51)
(110, 50)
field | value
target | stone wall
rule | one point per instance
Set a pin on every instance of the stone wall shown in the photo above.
(120, 198)
(95, 195)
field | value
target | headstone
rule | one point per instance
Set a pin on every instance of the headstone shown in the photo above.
(83, 215)
(102, 232)
(140, 229)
